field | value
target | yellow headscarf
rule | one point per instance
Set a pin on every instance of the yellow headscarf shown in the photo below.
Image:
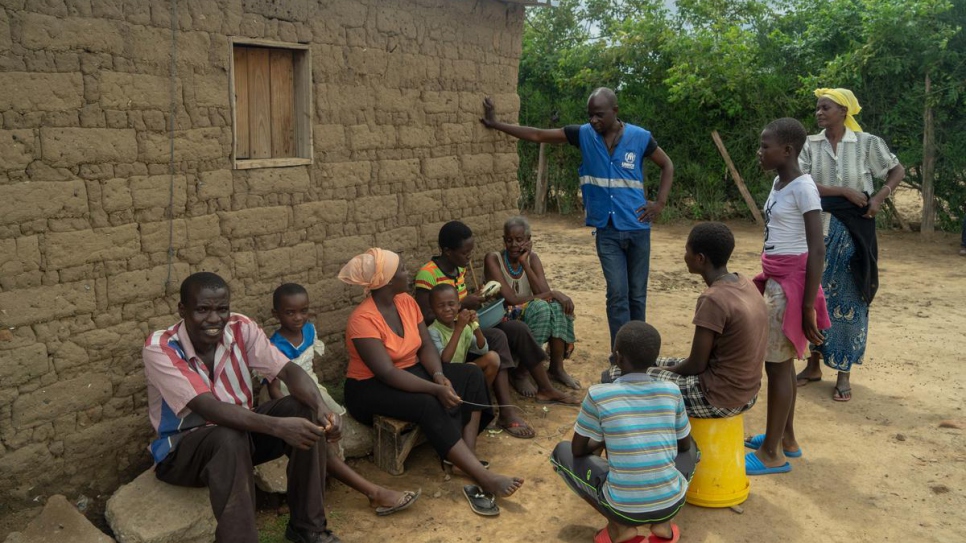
(846, 99)
(372, 269)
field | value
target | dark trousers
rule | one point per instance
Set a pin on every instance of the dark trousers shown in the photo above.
(520, 343)
(222, 459)
(586, 476)
(443, 427)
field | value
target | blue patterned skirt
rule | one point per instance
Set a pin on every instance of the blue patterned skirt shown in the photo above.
(845, 341)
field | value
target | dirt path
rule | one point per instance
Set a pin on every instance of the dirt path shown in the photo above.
(879, 468)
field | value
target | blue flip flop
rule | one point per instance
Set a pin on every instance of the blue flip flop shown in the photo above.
(753, 466)
(756, 441)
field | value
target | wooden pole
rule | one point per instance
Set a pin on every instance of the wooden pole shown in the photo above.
(737, 177)
(540, 190)
(928, 168)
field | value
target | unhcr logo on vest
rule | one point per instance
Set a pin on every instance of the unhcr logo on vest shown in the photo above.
(629, 159)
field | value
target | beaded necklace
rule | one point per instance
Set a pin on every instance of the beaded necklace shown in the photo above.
(509, 267)
(515, 275)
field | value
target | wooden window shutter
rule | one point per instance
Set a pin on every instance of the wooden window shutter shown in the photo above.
(264, 103)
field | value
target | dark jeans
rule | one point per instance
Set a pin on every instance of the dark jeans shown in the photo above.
(625, 257)
(586, 476)
(963, 242)
(222, 459)
(443, 427)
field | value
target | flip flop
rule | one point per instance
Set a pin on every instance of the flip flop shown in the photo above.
(754, 466)
(675, 536)
(756, 441)
(842, 394)
(603, 537)
(450, 465)
(409, 498)
(518, 425)
(482, 503)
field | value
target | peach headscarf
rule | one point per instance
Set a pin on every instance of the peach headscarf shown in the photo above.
(846, 99)
(372, 269)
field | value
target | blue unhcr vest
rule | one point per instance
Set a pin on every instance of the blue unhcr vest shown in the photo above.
(613, 185)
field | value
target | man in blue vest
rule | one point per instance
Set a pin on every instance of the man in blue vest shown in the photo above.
(612, 183)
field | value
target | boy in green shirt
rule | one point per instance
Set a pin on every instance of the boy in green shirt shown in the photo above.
(457, 335)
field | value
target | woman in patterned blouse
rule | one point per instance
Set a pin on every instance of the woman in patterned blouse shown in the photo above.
(842, 160)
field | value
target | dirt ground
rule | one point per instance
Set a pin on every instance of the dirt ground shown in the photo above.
(879, 468)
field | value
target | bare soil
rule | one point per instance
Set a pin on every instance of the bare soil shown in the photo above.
(880, 468)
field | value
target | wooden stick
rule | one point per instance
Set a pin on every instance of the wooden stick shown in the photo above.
(540, 188)
(473, 275)
(895, 213)
(737, 177)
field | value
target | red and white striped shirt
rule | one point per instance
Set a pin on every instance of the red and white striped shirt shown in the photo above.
(176, 375)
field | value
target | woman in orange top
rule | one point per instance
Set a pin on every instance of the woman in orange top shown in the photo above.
(395, 370)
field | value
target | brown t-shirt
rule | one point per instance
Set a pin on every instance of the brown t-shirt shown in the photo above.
(736, 312)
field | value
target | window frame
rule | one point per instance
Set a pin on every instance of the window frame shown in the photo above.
(302, 86)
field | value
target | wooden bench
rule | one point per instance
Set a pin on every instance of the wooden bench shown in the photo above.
(394, 441)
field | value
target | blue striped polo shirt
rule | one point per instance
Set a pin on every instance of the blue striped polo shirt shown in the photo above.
(640, 421)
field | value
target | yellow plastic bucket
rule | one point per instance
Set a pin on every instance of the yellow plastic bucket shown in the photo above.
(719, 479)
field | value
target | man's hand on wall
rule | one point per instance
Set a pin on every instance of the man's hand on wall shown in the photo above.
(489, 113)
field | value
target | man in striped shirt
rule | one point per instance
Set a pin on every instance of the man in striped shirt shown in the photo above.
(642, 424)
(200, 402)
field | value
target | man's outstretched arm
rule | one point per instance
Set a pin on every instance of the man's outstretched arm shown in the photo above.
(528, 133)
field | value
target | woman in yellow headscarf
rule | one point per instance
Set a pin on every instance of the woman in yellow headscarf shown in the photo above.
(395, 371)
(843, 160)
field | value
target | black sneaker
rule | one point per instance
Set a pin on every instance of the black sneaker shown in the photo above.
(298, 536)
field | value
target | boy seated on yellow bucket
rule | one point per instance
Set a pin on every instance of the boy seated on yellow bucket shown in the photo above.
(722, 375)
(642, 425)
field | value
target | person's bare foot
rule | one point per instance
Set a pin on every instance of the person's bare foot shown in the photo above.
(805, 377)
(662, 530)
(771, 461)
(555, 396)
(564, 378)
(501, 485)
(619, 533)
(522, 384)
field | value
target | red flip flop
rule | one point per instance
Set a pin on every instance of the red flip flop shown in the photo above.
(675, 536)
(603, 537)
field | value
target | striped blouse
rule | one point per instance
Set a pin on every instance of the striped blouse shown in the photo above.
(640, 420)
(861, 156)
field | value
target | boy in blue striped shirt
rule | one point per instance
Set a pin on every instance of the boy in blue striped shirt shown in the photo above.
(642, 424)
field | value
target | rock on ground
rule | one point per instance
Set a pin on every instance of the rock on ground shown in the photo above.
(147, 510)
(357, 438)
(60, 521)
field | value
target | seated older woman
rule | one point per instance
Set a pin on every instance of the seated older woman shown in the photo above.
(395, 370)
(549, 313)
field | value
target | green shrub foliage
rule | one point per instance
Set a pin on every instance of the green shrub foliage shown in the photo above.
(735, 65)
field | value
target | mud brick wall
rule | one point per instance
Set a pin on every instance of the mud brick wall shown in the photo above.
(84, 186)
